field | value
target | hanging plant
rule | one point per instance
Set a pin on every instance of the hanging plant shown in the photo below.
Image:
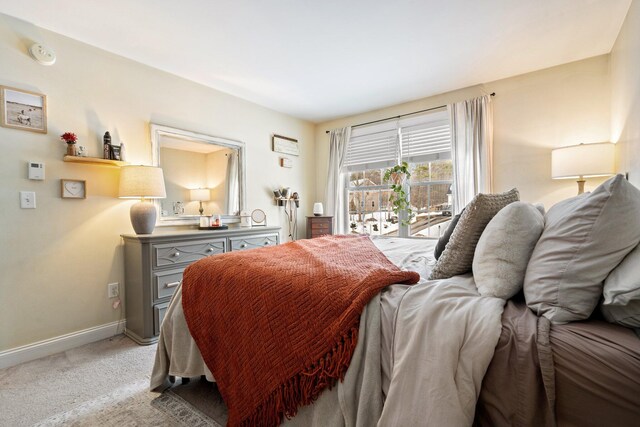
(397, 175)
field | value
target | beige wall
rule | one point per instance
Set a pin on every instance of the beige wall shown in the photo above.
(539, 111)
(625, 94)
(57, 259)
(533, 113)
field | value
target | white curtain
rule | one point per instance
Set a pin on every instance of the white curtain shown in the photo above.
(472, 149)
(232, 198)
(336, 202)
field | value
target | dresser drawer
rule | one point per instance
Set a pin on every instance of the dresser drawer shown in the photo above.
(243, 243)
(159, 311)
(186, 252)
(165, 283)
(320, 225)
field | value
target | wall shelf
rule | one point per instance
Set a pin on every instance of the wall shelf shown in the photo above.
(94, 161)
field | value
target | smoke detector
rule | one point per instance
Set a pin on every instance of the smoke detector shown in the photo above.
(42, 54)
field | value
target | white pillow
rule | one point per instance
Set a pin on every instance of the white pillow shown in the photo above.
(622, 292)
(504, 249)
(584, 239)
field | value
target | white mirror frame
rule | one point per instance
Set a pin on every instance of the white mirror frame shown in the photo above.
(158, 131)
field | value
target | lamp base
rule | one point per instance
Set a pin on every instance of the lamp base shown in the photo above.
(143, 217)
(580, 182)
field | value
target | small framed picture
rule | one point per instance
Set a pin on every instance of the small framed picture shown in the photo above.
(115, 152)
(73, 189)
(21, 109)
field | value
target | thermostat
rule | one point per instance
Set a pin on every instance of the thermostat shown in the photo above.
(36, 171)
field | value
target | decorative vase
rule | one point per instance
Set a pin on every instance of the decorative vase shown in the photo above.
(71, 149)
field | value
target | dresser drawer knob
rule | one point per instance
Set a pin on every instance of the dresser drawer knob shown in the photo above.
(171, 285)
(176, 254)
(267, 243)
(209, 250)
(244, 245)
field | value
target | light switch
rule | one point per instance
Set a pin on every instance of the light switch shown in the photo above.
(28, 199)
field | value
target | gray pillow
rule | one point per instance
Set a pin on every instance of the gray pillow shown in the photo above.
(584, 238)
(444, 239)
(457, 257)
(622, 292)
(504, 249)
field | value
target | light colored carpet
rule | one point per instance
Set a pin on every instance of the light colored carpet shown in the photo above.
(104, 383)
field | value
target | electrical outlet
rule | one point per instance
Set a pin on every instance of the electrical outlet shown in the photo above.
(112, 290)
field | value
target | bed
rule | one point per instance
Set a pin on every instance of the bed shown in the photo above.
(437, 353)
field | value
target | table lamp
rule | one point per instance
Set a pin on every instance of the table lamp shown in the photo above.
(143, 182)
(200, 195)
(583, 161)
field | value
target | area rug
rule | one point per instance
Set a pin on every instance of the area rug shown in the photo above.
(134, 405)
(182, 411)
(199, 396)
(126, 406)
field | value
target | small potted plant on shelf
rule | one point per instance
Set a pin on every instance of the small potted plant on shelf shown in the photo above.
(70, 138)
(397, 175)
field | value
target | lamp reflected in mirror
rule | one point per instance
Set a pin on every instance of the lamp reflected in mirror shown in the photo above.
(200, 195)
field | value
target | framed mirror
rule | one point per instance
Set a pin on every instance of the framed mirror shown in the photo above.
(200, 172)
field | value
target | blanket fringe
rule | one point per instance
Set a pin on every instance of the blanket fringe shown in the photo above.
(305, 387)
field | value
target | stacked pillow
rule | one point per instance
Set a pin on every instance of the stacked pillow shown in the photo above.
(622, 292)
(504, 249)
(457, 257)
(444, 239)
(583, 240)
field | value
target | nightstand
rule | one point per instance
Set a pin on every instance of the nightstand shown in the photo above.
(319, 226)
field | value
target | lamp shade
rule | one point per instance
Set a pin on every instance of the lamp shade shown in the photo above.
(200, 195)
(584, 160)
(145, 182)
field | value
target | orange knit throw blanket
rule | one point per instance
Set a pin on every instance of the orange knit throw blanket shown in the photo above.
(277, 325)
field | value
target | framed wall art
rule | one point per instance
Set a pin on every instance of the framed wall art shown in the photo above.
(73, 189)
(21, 109)
(285, 145)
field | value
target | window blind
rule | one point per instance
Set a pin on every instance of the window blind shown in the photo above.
(426, 138)
(419, 138)
(373, 147)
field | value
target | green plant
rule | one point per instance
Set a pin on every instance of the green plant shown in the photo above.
(397, 175)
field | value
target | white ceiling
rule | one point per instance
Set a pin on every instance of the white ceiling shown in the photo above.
(319, 60)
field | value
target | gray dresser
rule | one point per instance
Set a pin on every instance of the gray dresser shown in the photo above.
(154, 264)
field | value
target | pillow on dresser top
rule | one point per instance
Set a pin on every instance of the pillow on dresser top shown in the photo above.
(622, 292)
(444, 239)
(457, 257)
(584, 238)
(504, 249)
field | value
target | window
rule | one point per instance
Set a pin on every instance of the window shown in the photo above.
(423, 141)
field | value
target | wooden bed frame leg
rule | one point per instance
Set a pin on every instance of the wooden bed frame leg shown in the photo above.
(185, 381)
(172, 379)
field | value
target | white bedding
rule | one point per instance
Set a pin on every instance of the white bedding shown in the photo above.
(425, 348)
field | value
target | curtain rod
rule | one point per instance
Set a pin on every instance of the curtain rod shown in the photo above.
(401, 115)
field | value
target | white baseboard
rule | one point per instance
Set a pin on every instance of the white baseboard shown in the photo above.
(58, 344)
